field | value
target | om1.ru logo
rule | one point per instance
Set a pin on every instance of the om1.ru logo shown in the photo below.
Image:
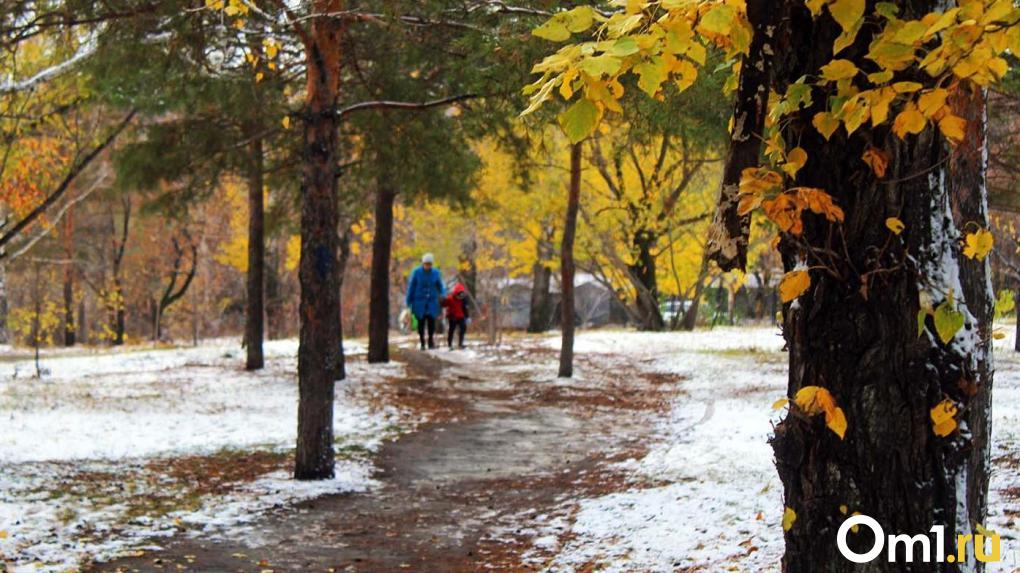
(909, 544)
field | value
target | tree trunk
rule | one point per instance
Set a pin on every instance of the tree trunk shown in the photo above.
(118, 303)
(856, 334)
(344, 247)
(567, 264)
(642, 276)
(119, 313)
(5, 333)
(691, 314)
(83, 329)
(541, 299)
(1016, 342)
(469, 265)
(379, 291)
(70, 330)
(273, 291)
(728, 233)
(254, 310)
(319, 351)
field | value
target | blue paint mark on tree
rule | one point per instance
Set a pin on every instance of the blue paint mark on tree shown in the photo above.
(323, 261)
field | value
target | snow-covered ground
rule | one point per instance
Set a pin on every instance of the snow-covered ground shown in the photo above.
(716, 501)
(104, 453)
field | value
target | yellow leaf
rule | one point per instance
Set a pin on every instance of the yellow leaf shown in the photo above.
(814, 400)
(795, 159)
(815, 6)
(895, 225)
(780, 403)
(794, 284)
(759, 180)
(878, 160)
(942, 418)
(748, 202)
(285, 122)
(825, 123)
(718, 20)
(906, 87)
(835, 420)
(850, 15)
(259, 76)
(880, 99)
(931, 102)
(688, 74)
(908, 121)
(3, 534)
(978, 244)
(789, 516)
(839, 70)
(953, 127)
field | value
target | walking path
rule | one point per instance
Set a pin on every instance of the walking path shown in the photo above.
(507, 443)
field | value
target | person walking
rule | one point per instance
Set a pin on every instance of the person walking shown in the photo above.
(424, 291)
(457, 318)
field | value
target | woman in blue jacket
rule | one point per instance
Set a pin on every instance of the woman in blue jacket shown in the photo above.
(423, 293)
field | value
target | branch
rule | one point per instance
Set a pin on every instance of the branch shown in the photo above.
(59, 215)
(45, 75)
(415, 106)
(65, 184)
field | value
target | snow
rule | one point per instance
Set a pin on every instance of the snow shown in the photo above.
(79, 447)
(706, 496)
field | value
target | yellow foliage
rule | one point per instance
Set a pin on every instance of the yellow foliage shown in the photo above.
(895, 225)
(978, 244)
(794, 284)
(789, 517)
(943, 418)
(814, 400)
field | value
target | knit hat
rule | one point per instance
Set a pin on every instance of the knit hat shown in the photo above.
(427, 258)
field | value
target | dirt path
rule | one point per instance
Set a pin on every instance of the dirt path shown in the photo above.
(462, 492)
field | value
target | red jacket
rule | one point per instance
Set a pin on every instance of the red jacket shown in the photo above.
(456, 303)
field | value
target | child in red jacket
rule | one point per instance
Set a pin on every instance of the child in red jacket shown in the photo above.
(456, 305)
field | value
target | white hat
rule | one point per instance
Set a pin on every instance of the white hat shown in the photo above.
(427, 258)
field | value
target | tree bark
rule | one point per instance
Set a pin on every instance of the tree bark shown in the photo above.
(379, 295)
(5, 333)
(319, 351)
(643, 276)
(728, 233)
(1016, 342)
(567, 264)
(254, 328)
(855, 331)
(70, 330)
(541, 307)
(118, 304)
(276, 328)
(691, 314)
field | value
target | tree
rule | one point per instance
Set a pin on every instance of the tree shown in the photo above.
(640, 209)
(880, 210)
(567, 263)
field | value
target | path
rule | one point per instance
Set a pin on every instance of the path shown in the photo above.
(508, 442)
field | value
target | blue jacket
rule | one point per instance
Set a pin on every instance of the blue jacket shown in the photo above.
(424, 291)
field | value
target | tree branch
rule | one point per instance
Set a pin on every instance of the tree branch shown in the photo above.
(404, 105)
(65, 184)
